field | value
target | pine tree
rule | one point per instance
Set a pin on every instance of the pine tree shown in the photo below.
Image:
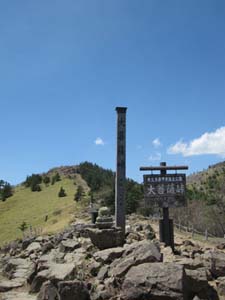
(61, 192)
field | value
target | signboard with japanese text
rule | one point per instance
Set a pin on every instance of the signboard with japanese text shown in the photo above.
(165, 190)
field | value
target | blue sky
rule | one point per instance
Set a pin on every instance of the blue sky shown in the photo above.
(65, 66)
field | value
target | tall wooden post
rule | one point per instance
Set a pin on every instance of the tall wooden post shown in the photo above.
(120, 169)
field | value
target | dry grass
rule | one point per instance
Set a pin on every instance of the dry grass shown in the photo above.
(35, 207)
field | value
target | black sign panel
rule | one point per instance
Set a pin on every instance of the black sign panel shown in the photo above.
(165, 190)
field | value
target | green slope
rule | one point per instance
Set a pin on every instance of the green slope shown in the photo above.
(33, 207)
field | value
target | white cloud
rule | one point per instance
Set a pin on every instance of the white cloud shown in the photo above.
(208, 143)
(99, 141)
(156, 143)
(155, 157)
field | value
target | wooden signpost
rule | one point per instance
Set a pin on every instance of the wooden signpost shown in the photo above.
(165, 190)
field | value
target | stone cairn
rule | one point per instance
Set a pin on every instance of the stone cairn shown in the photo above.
(104, 220)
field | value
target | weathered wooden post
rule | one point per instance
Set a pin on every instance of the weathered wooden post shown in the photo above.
(166, 224)
(120, 216)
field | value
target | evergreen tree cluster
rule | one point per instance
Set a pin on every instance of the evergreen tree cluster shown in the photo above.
(95, 176)
(55, 178)
(79, 193)
(34, 182)
(6, 190)
(98, 178)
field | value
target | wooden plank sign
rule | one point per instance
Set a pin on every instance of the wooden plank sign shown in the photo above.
(165, 190)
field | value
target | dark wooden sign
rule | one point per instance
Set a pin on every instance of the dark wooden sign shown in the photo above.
(165, 190)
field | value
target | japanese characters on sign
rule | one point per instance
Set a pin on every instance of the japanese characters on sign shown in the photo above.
(165, 190)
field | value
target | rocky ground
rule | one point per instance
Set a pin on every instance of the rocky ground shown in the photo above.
(68, 266)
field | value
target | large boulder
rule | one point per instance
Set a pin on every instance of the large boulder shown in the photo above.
(154, 281)
(106, 238)
(197, 283)
(56, 273)
(48, 292)
(135, 254)
(215, 262)
(18, 268)
(70, 290)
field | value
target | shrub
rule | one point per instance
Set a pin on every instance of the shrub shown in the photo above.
(61, 192)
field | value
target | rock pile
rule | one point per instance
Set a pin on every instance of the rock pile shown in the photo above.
(69, 266)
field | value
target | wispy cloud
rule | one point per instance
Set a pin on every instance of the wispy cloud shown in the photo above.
(208, 143)
(155, 157)
(99, 142)
(156, 143)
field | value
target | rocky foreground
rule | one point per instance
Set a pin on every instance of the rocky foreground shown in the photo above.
(68, 266)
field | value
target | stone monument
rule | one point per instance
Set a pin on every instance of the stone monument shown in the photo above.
(104, 220)
(120, 168)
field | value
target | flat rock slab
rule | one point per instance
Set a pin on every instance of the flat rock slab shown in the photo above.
(7, 285)
(12, 295)
(19, 268)
(154, 281)
(69, 245)
(108, 255)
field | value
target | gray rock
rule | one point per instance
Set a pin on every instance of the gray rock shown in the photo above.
(70, 290)
(33, 247)
(56, 272)
(197, 283)
(190, 263)
(69, 245)
(26, 242)
(7, 285)
(214, 261)
(221, 286)
(16, 295)
(19, 268)
(103, 273)
(94, 267)
(135, 254)
(48, 292)
(154, 281)
(47, 247)
(106, 238)
(108, 255)
(77, 258)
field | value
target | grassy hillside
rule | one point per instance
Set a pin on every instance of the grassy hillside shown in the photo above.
(45, 211)
(35, 207)
(206, 201)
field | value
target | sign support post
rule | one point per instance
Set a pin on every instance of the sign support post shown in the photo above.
(166, 225)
